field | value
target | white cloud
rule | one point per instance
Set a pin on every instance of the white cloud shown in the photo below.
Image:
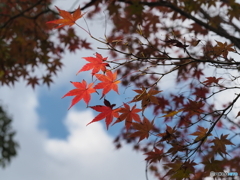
(87, 153)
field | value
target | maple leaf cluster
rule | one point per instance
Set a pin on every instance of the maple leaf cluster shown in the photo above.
(183, 122)
(108, 81)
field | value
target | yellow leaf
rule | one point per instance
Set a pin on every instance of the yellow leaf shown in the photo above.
(172, 113)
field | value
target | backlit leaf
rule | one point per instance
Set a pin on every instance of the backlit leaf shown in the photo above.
(95, 63)
(68, 19)
(128, 115)
(106, 112)
(82, 91)
(108, 83)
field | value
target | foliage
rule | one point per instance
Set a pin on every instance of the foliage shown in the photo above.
(26, 44)
(8, 145)
(161, 39)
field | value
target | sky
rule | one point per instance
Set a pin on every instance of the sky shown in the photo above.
(55, 142)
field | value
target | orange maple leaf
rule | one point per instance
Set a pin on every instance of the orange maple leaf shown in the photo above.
(200, 133)
(68, 19)
(223, 49)
(96, 64)
(107, 112)
(129, 115)
(82, 91)
(108, 82)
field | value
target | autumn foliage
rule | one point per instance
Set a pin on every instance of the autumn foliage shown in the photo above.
(26, 45)
(176, 128)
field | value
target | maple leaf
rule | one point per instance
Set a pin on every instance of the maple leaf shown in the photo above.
(33, 81)
(85, 44)
(155, 155)
(201, 92)
(143, 128)
(129, 115)
(200, 133)
(213, 165)
(211, 80)
(82, 91)
(219, 144)
(198, 73)
(96, 64)
(172, 113)
(223, 49)
(146, 97)
(179, 170)
(168, 135)
(107, 112)
(178, 100)
(194, 107)
(108, 82)
(68, 19)
(176, 148)
(47, 80)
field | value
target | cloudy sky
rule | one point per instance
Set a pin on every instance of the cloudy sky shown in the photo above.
(85, 152)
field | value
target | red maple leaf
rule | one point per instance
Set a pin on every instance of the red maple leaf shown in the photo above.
(211, 80)
(108, 82)
(194, 107)
(107, 112)
(95, 63)
(82, 91)
(198, 73)
(33, 81)
(68, 19)
(129, 115)
(201, 92)
(155, 155)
